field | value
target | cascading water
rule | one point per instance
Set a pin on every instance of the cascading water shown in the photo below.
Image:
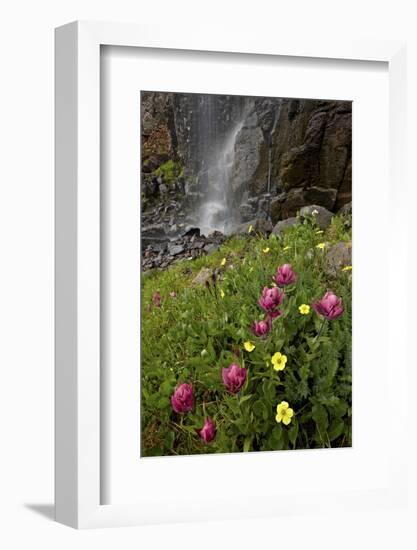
(216, 209)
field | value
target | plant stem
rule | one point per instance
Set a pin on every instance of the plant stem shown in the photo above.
(320, 329)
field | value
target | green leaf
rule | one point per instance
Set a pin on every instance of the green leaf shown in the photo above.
(245, 398)
(320, 417)
(336, 429)
(260, 410)
(293, 433)
(166, 388)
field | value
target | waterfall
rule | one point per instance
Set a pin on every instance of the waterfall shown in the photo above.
(216, 212)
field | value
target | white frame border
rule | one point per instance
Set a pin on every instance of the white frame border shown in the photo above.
(77, 234)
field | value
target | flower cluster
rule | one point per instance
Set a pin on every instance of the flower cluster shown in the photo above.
(234, 376)
(182, 400)
(330, 307)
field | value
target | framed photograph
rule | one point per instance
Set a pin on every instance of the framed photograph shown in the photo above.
(224, 327)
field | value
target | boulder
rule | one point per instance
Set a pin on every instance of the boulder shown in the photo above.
(203, 276)
(176, 249)
(322, 216)
(281, 226)
(260, 225)
(294, 200)
(338, 256)
(346, 209)
(321, 196)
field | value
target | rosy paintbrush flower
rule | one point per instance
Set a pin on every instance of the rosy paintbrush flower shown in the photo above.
(330, 306)
(182, 399)
(208, 431)
(156, 299)
(262, 328)
(234, 377)
(285, 275)
(270, 299)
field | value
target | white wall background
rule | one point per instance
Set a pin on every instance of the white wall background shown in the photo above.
(26, 267)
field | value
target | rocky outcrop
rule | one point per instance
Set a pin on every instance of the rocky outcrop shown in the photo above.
(277, 156)
(159, 140)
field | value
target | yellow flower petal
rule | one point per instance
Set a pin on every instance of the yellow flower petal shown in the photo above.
(278, 360)
(321, 246)
(250, 229)
(286, 248)
(282, 406)
(278, 418)
(222, 294)
(289, 412)
(347, 268)
(249, 346)
(286, 420)
(223, 262)
(266, 250)
(304, 309)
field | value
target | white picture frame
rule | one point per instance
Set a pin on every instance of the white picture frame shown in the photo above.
(78, 250)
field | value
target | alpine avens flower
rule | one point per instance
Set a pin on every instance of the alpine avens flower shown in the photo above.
(271, 298)
(330, 306)
(279, 361)
(285, 275)
(304, 309)
(262, 328)
(249, 346)
(182, 400)
(234, 377)
(284, 413)
(208, 431)
(321, 246)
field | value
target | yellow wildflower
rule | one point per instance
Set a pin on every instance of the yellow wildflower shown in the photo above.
(222, 294)
(286, 248)
(347, 268)
(284, 413)
(321, 246)
(266, 250)
(279, 360)
(249, 346)
(304, 309)
(223, 262)
(250, 229)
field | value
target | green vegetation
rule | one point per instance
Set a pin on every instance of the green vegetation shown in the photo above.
(189, 333)
(170, 171)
